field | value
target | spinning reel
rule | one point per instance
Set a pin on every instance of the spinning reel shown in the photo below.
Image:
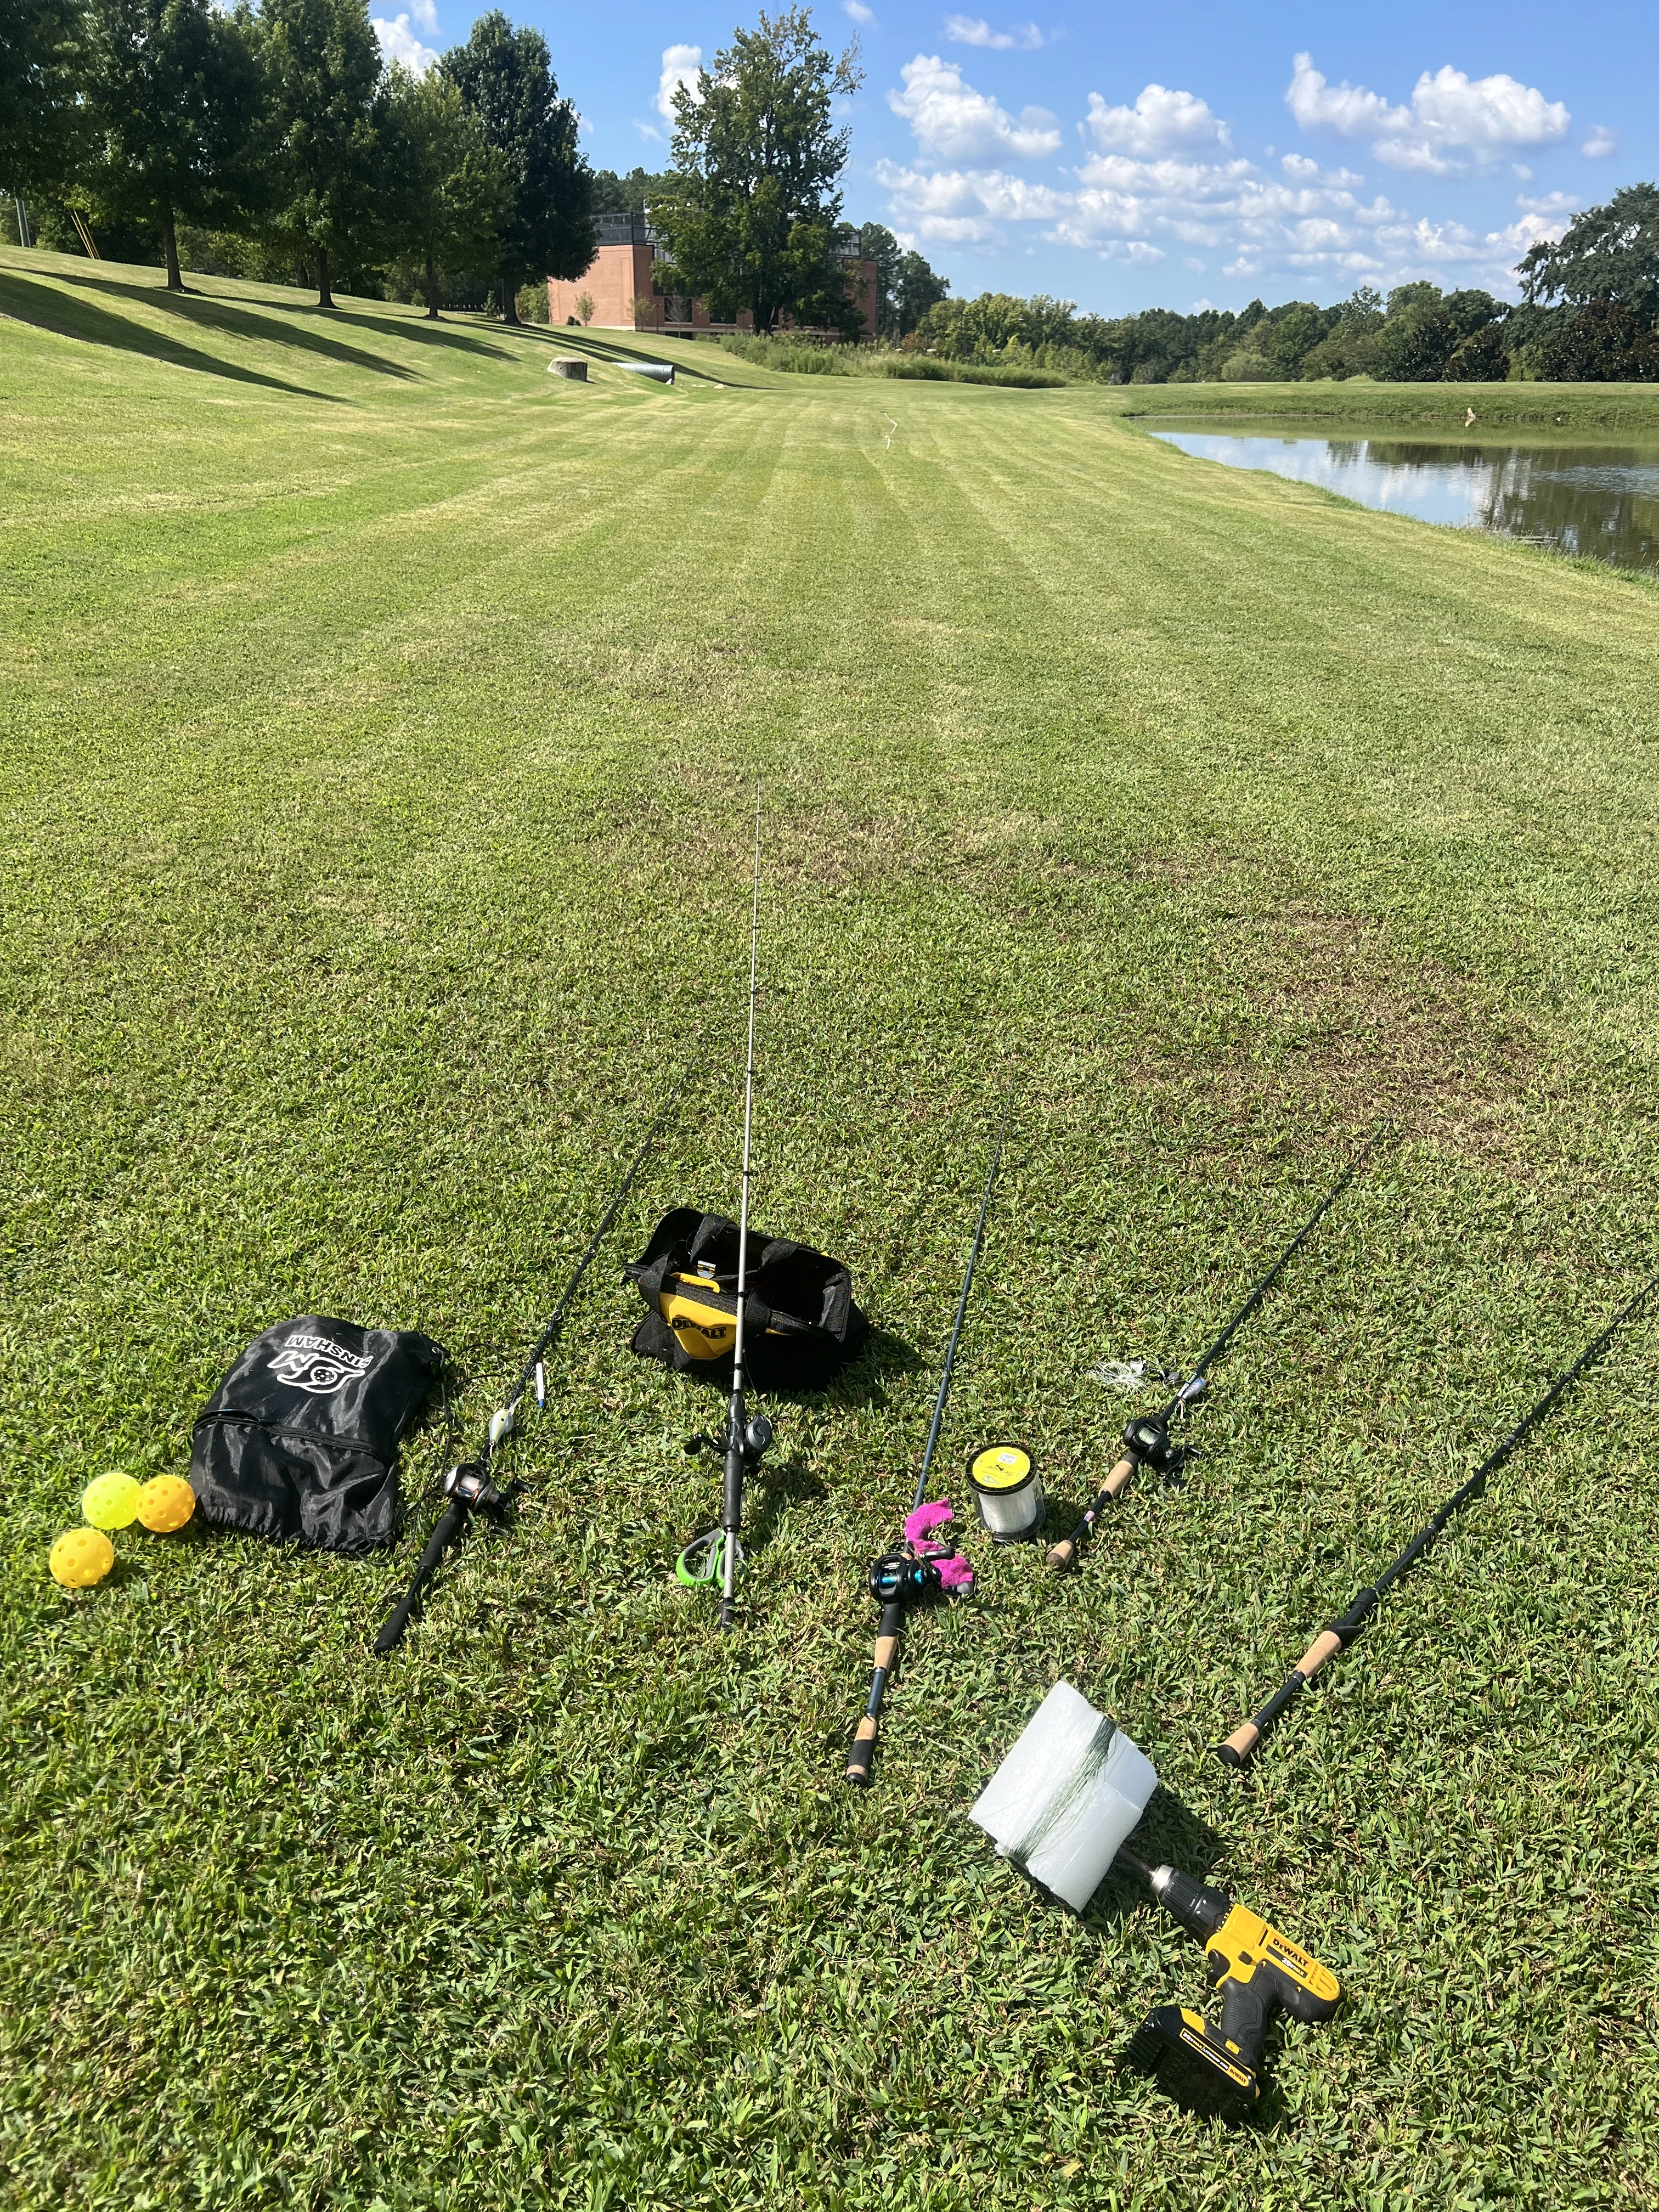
(703, 1560)
(757, 1438)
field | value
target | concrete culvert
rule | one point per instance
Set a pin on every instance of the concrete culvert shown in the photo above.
(569, 365)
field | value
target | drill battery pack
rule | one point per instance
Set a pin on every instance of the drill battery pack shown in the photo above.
(1192, 2065)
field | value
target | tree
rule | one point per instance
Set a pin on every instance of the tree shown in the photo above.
(917, 292)
(447, 196)
(629, 195)
(173, 99)
(1483, 357)
(322, 63)
(1295, 331)
(751, 212)
(1609, 254)
(1601, 343)
(875, 242)
(505, 78)
(1417, 338)
(41, 65)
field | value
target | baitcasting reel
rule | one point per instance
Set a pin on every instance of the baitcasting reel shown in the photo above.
(470, 1484)
(1148, 1441)
(898, 1578)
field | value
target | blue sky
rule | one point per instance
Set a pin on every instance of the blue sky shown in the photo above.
(1198, 153)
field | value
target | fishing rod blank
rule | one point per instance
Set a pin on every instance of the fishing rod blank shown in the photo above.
(1341, 1633)
(1147, 1440)
(900, 1579)
(746, 1439)
(469, 1487)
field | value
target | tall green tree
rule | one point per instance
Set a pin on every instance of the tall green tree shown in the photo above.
(750, 217)
(447, 196)
(917, 291)
(505, 78)
(42, 65)
(1609, 255)
(322, 66)
(631, 194)
(906, 287)
(173, 99)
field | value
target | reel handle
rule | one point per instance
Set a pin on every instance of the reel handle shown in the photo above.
(864, 1740)
(1063, 1553)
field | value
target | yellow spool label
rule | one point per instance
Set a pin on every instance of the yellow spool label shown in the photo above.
(1000, 1467)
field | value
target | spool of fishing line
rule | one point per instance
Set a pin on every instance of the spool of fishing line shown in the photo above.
(1066, 1796)
(1008, 1490)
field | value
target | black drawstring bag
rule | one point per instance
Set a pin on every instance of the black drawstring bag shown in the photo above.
(299, 1441)
(800, 1325)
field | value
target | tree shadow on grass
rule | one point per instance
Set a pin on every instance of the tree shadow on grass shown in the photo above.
(210, 313)
(49, 309)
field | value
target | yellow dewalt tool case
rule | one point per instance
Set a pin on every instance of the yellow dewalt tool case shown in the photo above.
(800, 1324)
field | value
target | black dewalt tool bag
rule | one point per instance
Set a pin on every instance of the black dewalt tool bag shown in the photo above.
(299, 1441)
(800, 1325)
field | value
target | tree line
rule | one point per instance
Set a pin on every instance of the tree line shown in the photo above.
(1589, 311)
(270, 139)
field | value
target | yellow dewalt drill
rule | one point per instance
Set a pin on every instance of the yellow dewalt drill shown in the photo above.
(1218, 2070)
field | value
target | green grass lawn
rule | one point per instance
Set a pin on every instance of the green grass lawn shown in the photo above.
(381, 721)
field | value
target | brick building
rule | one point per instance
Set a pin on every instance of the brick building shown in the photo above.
(621, 283)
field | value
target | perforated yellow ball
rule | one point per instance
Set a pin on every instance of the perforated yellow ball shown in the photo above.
(80, 1557)
(166, 1503)
(111, 1501)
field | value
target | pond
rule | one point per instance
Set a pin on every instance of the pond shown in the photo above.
(1579, 493)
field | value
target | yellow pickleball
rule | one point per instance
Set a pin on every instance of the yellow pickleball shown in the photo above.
(166, 1503)
(111, 1501)
(80, 1557)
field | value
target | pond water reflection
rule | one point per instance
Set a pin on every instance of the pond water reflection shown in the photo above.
(1600, 499)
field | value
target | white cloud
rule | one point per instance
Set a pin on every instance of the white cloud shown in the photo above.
(400, 44)
(1160, 122)
(1452, 119)
(1348, 109)
(1428, 248)
(1296, 222)
(424, 14)
(680, 65)
(952, 120)
(859, 12)
(1549, 203)
(975, 31)
(956, 207)
(1600, 143)
(1301, 171)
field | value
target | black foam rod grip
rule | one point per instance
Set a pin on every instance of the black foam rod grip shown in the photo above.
(392, 1627)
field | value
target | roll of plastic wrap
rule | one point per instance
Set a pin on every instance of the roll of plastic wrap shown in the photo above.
(1066, 1796)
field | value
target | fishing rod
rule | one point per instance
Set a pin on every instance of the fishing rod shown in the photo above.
(916, 1572)
(468, 1487)
(1341, 1633)
(746, 1439)
(1146, 1441)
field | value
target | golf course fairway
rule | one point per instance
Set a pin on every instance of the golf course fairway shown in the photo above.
(382, 717)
